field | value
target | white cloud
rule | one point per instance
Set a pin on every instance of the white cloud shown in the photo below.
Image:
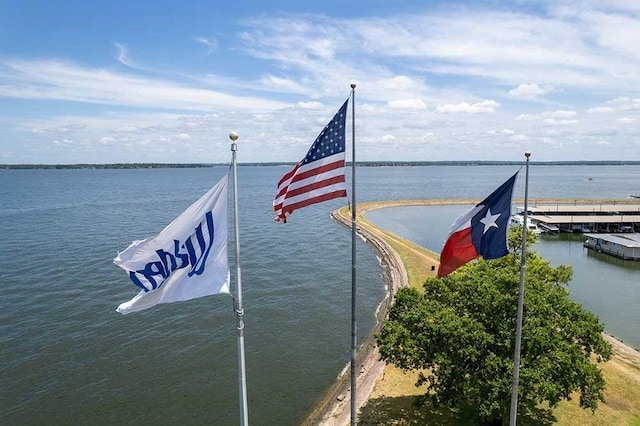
(123, 55)
(479, 107)
(561, 114)
(407, 104)
(62, 129)
(625, 120)
(552, 142)
(57, 80)
(558, 51)
(398, 82)
(519, 138)
(557, 122)
(510, 135)
(183, 137)
(283, 85)
(623, 103)
(558, 117)
(530, 91)
(210, 43)
(599, 110)
(314, 106)
(126, 129)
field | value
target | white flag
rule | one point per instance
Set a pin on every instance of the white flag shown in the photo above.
(188, 259)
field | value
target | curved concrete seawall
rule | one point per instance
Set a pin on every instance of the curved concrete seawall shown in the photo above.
(335, 407)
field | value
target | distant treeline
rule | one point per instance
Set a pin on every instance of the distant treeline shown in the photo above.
(360, 164)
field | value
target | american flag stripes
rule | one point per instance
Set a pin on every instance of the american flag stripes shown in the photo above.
(320, 176)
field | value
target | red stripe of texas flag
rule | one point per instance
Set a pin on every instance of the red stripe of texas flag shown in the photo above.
(457, 251)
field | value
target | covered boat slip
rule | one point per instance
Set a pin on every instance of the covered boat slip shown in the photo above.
(587, 209)
(624, 246)
(615, 218)
(583, 223)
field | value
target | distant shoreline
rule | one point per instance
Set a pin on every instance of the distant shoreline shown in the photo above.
(360, 164)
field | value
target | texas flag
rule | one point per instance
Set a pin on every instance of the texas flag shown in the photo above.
(481, 231)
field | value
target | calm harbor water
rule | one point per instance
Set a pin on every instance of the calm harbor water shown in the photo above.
(66, 356)
(604, 285)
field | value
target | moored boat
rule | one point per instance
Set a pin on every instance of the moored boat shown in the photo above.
(518, 219)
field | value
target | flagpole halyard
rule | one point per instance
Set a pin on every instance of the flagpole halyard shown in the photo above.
(354, 336)
(516, 356)
(239, 310)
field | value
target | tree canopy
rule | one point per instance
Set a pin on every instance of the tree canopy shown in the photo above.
(460, 334)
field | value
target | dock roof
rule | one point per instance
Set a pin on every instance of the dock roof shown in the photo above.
(554, 219)
(626, 240)
(584, 208)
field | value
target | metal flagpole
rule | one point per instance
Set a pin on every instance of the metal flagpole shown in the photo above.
(242, 376)
(523, 258)
(354, 337)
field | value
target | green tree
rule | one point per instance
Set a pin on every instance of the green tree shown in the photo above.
(460, 333)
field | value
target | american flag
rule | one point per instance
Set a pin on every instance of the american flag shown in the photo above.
(320, 175)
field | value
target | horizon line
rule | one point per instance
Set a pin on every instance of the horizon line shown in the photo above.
(281, 163)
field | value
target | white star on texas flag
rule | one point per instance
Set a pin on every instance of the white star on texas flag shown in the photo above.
(489, 220)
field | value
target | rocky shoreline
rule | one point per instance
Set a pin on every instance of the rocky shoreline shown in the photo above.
(334, 409)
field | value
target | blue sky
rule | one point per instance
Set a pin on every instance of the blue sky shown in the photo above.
(107, 81)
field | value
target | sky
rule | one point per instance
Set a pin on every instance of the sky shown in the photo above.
(112, 81)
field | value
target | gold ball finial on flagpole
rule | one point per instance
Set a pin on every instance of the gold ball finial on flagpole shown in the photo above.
(353, 84)
(233, 136)
(527, 154)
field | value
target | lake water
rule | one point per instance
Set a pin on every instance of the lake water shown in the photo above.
(66, 356)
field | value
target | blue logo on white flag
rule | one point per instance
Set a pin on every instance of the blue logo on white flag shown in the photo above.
(189, 253)
(188, 259)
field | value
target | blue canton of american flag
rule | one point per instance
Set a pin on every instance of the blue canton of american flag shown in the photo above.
(320, 176)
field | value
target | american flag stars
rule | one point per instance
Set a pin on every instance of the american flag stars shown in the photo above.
(330, 141)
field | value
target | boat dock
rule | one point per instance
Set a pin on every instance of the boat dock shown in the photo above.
(586, 218)
(624, 246)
